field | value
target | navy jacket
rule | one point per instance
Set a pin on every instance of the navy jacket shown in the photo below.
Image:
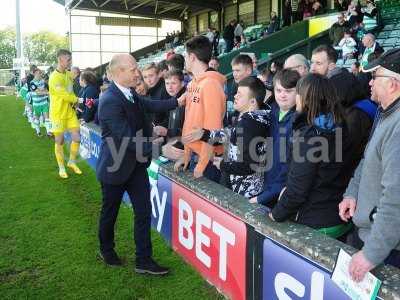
(120, 121)
(315, 189)
(276, 174)
(159, 92)
(87, 109)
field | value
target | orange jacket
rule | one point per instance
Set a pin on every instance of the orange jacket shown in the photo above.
(205, 108)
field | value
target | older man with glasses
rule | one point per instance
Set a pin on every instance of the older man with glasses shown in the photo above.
(372, 197)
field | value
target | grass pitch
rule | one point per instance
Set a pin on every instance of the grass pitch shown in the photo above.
(48, 230)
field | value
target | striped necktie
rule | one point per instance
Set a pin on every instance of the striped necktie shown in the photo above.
(130, 99)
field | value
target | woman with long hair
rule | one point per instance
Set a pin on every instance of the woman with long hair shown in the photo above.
(317, 176)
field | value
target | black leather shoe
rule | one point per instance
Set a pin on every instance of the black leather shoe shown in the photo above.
(110, 259)
(150, 267)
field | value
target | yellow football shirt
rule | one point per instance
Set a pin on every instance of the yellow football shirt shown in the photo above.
(62, 96)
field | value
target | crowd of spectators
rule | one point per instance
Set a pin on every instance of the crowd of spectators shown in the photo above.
(312, 141)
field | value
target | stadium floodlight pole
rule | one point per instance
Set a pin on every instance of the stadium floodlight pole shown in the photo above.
(18, 37)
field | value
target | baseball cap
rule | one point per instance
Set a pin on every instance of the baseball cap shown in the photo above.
(390, 60)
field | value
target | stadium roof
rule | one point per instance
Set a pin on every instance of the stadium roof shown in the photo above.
(163, 9)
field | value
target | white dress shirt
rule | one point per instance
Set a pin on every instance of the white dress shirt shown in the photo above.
(126, 91)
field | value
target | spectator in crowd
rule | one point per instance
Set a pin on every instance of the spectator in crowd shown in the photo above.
(176, 41)
(358, 31)
(370, 11)
(229, 35)
(215, 42)
(267, 75)
(355, 68)
(253, 57)
(341, 5)
(274, 23)
(337, 30)
(305, 8)
(242, 67)
(359, 114)
(62, 114)
(141, 88)
(222, 46)
(243, 166)
(354, 13)
(107, 79)
(76, 72)
(299, 63)
(323, 62)
(238, 32)
(176, 62)
(163, 67)
(372, 197)
(281, 132)
(369, 46)
(317, 176)
(156, 86)
(168, 41)
(214, 63)
(348, 45)
(88, 97)
(174, 149)
(317, 9)
(175, 87)
(205, 106)
(240, 43)
(210, 34)
(287, 13)
(122, 120)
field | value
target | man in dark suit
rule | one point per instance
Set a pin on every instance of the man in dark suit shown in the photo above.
(125, 154)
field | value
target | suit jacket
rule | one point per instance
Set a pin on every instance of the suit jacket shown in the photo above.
(120, 122)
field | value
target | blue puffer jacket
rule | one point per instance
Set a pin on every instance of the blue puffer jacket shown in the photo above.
(276, 174)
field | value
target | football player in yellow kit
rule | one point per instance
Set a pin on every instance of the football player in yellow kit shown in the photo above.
(62, 112)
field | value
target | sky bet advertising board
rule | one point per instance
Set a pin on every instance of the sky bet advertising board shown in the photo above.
(210, 239)
(290, 276)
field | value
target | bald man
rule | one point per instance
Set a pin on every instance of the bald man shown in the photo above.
(125, 154)
(369, 46)
(299, 63)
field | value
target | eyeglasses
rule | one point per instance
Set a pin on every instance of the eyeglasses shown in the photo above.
(295, 67)
(374, 76)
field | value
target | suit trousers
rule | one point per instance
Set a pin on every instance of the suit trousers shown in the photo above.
(138, 188)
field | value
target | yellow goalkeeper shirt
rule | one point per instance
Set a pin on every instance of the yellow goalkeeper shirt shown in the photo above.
(62, 96)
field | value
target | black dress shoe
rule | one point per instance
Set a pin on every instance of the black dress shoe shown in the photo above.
(150, 267)
(111, 259)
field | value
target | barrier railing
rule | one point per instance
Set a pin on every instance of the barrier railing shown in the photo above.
(235, 246)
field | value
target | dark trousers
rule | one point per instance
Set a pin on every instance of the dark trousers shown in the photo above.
(354, 240)
(229, 45)
(138, 189)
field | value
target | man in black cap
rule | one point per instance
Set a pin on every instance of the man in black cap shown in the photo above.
(372, 197)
